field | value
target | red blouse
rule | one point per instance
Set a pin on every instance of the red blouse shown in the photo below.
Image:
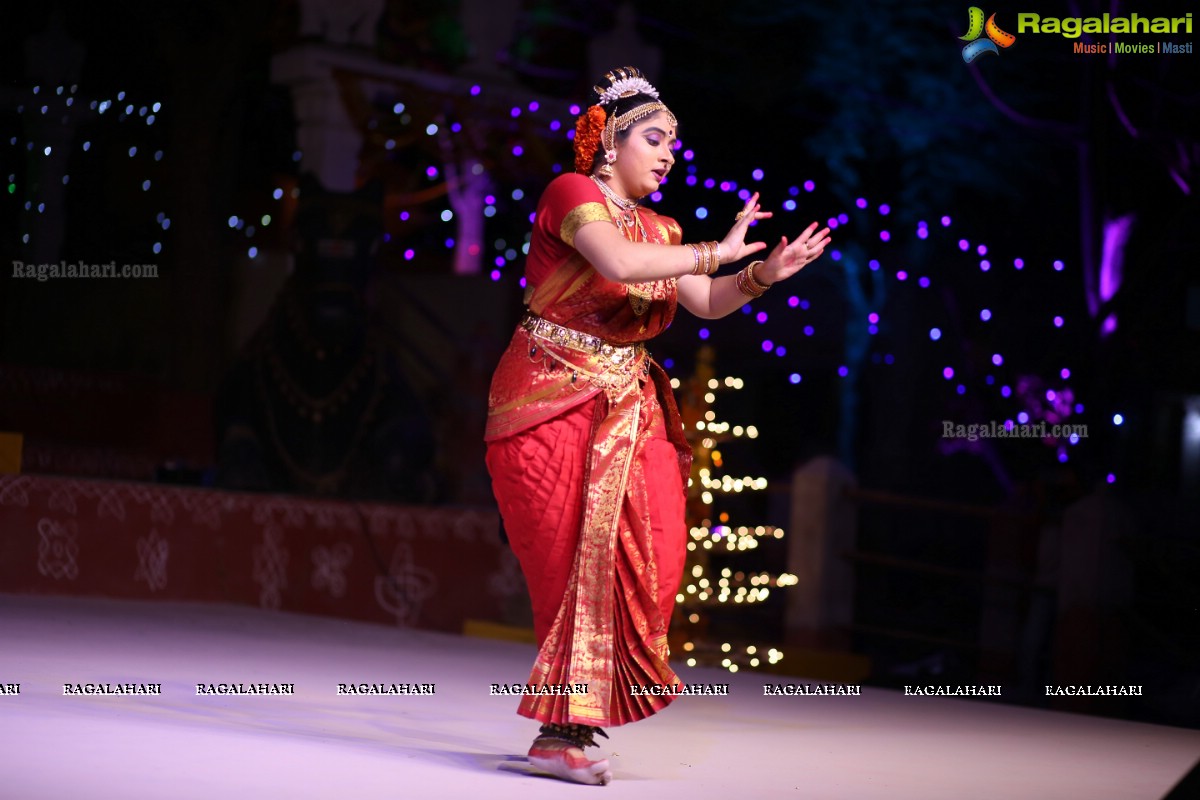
(563, 288)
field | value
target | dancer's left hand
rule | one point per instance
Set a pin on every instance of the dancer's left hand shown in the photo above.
(788, 259)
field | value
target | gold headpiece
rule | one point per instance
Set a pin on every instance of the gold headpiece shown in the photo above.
(626, 82)
(623, 82)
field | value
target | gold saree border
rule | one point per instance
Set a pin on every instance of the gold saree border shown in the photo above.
(579, 648)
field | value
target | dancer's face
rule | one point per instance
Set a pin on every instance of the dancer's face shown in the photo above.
(644, 157)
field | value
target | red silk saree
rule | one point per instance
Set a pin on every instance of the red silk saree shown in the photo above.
(589, 467)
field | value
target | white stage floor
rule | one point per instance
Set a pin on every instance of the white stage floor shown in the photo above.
(463, 743)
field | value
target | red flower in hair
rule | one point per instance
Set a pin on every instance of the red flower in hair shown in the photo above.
(588, 129)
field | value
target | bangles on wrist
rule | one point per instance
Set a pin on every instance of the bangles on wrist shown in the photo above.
(706, 256)
(748, 284)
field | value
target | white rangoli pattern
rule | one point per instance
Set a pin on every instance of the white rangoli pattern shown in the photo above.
(58, 549)
(153, 552)
(13, 492)
(270, 568)
(406, 588)
(508, 580)
(329, 568)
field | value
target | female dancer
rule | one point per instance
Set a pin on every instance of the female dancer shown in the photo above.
(586, 452)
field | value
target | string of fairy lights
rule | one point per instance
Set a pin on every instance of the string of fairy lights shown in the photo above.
(65, 106)
(711, 488)
(1032, 398)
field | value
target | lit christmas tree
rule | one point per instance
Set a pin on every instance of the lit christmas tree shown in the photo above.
(712, 532)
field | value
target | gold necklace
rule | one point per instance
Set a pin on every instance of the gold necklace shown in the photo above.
(629, 222)
(620, 202)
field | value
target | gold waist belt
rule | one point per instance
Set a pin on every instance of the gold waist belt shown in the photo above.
(578, 340)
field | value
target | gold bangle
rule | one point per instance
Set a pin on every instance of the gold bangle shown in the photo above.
(714, 253)
(695, 259)
(754, 281)
(746, 285)
(739, 281)
(706, 257)
(747, 288)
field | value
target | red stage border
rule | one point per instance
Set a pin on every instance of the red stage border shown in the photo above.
(410, 566)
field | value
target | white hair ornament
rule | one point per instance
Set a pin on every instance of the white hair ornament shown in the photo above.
(625, 82)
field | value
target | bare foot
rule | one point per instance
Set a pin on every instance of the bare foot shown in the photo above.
(564, 760)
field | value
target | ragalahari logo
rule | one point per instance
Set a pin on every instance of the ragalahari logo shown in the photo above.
(976, 28)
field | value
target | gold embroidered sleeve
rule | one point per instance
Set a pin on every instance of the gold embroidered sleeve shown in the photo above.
(579, 216)
(664, 234)
(674, 232)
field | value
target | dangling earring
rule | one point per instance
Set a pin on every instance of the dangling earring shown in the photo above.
(606, 169)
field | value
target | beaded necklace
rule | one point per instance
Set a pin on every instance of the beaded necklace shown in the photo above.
(627, 218)
(629, 222)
